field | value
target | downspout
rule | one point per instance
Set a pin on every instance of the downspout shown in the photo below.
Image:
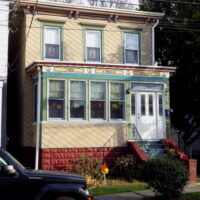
(153, 41)
(37, 147)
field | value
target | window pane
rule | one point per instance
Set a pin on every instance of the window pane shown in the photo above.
(93, 39)
(93, 54)
(52, 35)
(52, 51)
(98, 91)
(56, 108)
(56, 89)
(151, 105)
(147, 87)
(133, 104)
(131, 41)
(117, 110)
(97, 109)
(160, 105)
(143, 106)
(77, 109)
(52, 42)
(117, 91)
(131, 56)
(77, 90)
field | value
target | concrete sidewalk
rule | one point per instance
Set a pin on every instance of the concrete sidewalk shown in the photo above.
(141, 194)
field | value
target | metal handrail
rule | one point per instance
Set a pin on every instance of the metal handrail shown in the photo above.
(134, 128)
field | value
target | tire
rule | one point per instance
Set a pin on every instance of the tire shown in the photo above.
(64, 198)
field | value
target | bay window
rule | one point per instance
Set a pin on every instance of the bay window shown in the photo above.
(78, 99)
(52, 42)
(93, 46)
(117, 100)
(131, 48)
(98, 100)
(56, 101)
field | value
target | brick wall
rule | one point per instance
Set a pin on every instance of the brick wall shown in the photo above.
(62, 159)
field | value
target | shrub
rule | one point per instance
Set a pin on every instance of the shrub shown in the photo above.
(124, 168)
(88, 167)
(166, 175)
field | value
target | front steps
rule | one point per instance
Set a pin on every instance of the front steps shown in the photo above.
(152, 149)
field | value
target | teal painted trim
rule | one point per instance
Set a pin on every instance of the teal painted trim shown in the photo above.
(105, 77)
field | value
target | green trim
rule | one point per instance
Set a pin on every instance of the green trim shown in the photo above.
(53, 24)
(93, 28)
(105, 77)
(44, 98)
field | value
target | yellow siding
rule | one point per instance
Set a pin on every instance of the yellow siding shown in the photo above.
(83, 135)
(33, 51)
(73, 42)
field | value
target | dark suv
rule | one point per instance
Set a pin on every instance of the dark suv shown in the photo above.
(18, 183)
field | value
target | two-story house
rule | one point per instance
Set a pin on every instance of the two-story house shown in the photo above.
(85, 78)
(4, 13)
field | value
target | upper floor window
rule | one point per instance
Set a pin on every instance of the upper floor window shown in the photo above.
(93, 46)
(131, 48)
(52, 42)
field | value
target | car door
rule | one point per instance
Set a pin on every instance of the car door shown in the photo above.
(10, 186)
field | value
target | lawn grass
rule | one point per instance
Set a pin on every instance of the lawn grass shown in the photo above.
(192, 196)
(119, 188)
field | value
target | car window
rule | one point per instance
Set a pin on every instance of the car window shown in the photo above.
(2, 162)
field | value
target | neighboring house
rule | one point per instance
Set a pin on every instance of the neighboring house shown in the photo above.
(4, 13)
(84, 75)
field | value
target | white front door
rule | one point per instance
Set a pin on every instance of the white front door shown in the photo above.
(147, 114)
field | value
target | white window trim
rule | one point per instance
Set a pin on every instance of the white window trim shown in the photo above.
(100, 46)
(65, 109)
(44, 49)
(138, 57)
(124, 110)
(105, 101)
(69, 102)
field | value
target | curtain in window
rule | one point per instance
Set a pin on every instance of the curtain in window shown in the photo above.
(98, 91)
(56, 89)
(117, 91)
(77, 90)
(98, 104)
(93, 39)
(52, 35)
(131, 41)
(56, 99)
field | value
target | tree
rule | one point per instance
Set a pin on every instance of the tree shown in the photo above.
(178, 44)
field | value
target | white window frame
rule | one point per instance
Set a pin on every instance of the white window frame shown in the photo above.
(44, 43)
(124, 101)
(69, 101)
(100, 45)
(105, 101)
(64, 107)
(138, 50)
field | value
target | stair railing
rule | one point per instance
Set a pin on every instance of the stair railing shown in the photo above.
(135, 131)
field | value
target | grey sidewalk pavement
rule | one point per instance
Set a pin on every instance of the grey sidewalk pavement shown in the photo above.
(141, 194)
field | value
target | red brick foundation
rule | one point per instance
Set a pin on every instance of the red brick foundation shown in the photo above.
(192, 169)
(62, 159)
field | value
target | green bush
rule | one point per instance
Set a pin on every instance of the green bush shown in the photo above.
(124, 168)
(166, 175)
(87, 167)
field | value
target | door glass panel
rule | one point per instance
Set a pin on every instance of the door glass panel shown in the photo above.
(160, 104)
(143, 108)
(133, 104)
(151, 105)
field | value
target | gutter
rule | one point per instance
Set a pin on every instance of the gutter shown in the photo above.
(153, 41)
(37, 146)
